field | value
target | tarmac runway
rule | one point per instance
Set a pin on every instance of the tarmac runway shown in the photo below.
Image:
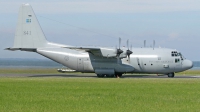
(85, 75)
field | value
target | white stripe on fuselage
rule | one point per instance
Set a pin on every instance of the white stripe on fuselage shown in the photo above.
(69, 54)
(144, 56)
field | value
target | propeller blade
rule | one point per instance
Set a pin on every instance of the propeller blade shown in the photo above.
(129, 52)
(119, 42)
(119, 51)
(127, 43)
(131, 47)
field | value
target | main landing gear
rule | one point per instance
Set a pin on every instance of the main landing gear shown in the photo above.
(170, 75)
(100, 75)
(117, 75)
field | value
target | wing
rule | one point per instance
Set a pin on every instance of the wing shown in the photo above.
(103, 52)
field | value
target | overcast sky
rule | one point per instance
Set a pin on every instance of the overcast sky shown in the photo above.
(171, 23)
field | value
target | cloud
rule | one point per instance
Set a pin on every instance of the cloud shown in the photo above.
(109, 6)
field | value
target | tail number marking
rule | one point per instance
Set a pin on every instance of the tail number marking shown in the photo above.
(27, 32)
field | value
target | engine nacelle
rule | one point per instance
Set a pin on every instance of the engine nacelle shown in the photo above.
(109, 53)
(123, 55)
(106, 52)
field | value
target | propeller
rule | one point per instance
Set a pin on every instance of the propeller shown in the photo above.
(144, 43)
(119, 51)
(128, 52)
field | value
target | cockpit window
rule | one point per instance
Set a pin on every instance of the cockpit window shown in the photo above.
(181, 56)
(174, 53)
(177, 54)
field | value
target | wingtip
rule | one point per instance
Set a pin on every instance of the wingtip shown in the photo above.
(11, 49)
(6, 48)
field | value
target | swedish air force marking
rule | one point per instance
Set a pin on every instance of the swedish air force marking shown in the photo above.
(66, 58)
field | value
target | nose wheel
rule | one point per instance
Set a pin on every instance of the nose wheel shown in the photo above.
(170, 75)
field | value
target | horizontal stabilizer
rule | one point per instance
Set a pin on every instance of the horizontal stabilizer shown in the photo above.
(22, 49)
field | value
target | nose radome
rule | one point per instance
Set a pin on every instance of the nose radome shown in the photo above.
(187, 64)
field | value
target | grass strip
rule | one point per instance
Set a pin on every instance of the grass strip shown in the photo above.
(99, 95)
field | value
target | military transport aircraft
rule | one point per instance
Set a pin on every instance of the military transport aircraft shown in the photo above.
(105, 62)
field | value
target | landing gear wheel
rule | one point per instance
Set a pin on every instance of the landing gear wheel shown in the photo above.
(170, 75)
(100, 75)
(118, 75)
(109, 75)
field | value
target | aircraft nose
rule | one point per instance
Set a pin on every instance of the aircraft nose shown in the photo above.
(187, 64)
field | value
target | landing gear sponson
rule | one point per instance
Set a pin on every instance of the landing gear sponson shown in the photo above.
(109, 75)
(171, 75)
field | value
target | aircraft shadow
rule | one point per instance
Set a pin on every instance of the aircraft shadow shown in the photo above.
(65, 75)
(144, 76)
(94, 76)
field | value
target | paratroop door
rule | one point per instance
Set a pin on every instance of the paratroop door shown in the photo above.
(80, 66)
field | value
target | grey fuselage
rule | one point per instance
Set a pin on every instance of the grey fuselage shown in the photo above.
(142, 60)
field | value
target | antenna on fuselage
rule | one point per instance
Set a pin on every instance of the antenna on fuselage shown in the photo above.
(144, 43)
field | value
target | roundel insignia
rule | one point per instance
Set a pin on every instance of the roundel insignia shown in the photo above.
(66, 58)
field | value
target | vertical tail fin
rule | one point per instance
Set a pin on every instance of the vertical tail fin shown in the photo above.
(28, 33)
